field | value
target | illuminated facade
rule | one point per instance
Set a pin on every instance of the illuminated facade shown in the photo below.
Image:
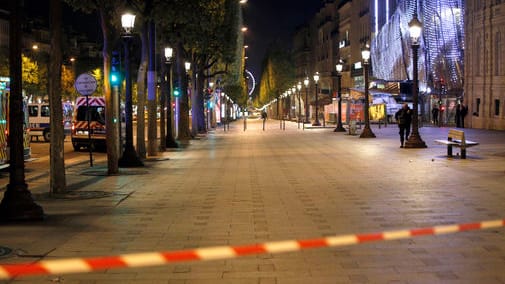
(484, 58)
(442, 45)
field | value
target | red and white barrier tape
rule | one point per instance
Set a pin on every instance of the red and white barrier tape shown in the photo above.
(79, 265)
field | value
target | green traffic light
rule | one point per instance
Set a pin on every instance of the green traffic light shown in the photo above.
(114, 78)
(177, 93)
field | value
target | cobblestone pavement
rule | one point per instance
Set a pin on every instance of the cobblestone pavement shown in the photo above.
(242, 187)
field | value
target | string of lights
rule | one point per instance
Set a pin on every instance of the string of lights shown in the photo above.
(442, 44)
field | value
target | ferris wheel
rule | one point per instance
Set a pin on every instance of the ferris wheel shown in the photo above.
(251, 82)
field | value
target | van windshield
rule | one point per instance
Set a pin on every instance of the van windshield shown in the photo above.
(95, 113)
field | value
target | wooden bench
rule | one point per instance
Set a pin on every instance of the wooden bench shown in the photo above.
(457, 138)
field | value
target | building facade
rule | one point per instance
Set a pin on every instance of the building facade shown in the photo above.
(485, 65)
(339, 30)
(461, 59)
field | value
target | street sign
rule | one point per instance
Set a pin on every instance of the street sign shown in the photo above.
(85, 84)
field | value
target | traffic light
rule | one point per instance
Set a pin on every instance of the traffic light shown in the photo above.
(115, 78)
(115, 70)
(177, 93)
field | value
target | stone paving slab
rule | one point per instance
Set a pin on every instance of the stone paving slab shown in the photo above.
(242, 187)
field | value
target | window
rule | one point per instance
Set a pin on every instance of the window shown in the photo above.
(496, 107)
(33, 111)
(44, 111)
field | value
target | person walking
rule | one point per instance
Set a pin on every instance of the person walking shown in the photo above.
(434, 114)
(264, 116)
(404, 118)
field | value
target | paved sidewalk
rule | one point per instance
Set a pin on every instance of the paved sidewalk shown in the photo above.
(241, 187)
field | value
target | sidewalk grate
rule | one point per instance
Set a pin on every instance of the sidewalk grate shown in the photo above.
(5, 252)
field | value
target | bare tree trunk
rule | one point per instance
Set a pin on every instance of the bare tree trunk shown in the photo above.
(163, 105)
(111, 133)
(152, 150)
(200, 103)
(57, 160)
(141, 95)
(194, 101)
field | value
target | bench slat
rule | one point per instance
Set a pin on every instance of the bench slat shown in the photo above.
(457, 138)
(446, 142)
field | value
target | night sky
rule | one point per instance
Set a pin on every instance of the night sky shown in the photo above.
(268, 20)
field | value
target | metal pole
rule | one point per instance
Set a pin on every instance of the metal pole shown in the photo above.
(339, 127)
(299, 108)
(129, 158)
(415, 141)
(306, 105)
(317, 123)
(90, 144)
(367, 131)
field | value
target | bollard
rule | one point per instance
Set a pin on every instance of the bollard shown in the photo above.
(352, 127)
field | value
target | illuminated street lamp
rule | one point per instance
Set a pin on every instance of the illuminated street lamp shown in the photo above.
(169, 140)
(316, 122)
(415, 141)
(129, 157)
(306, 83)
(367, 131)
(339, 67)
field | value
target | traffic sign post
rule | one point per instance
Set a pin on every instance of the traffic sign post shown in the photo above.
(85, 84)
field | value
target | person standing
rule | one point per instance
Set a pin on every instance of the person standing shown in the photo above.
(404, 118)
(434, 114)
(464, 112)
(458, 115)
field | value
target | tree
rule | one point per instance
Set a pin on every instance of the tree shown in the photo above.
(208, 39)
(34, 77)
(57, 162)
(108, 11)
(67, 83)
(278, 74)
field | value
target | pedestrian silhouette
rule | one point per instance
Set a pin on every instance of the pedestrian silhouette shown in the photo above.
(434, 114)
(404, 118)
(264, 116)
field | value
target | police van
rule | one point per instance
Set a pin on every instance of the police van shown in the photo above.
(38, 119)
(86, 134)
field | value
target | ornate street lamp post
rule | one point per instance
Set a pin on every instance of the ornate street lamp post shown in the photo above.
(306, 83)
(367, 131)
(17, 203)
(169, 140)
(415, 141)
(339, 68)
(293, 100)
(299, 87)
(129, 158)
(316, 122)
